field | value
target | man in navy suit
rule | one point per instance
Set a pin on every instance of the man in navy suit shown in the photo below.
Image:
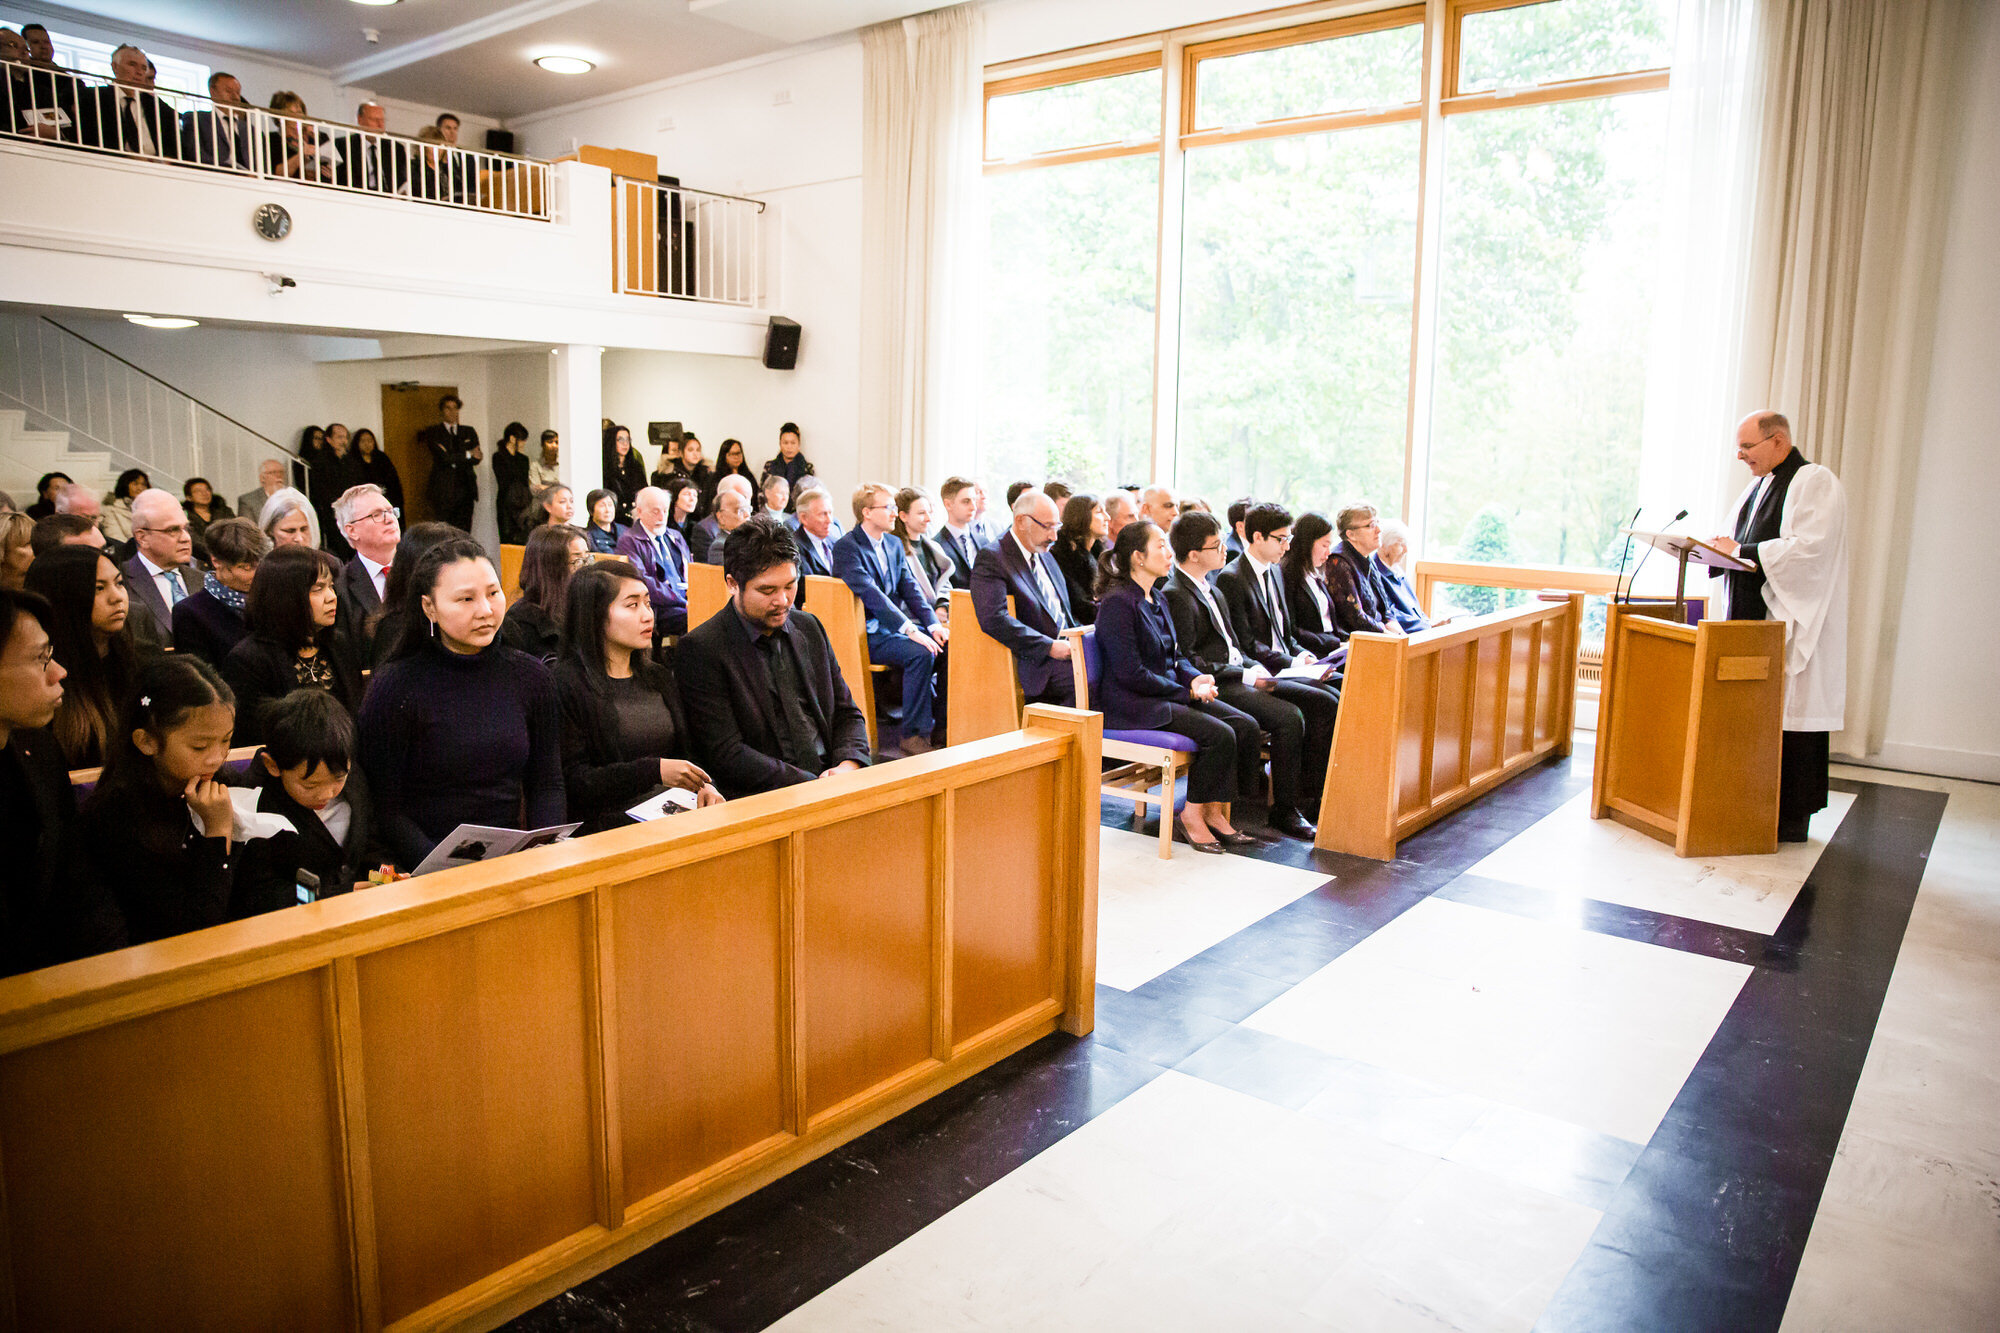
(960, 539)
(903, 631)
(661, 556)
(157, 577)
(814, 532)
(1019, 564)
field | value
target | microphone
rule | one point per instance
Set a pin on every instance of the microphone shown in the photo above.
(1626, 556)
(1648, 551)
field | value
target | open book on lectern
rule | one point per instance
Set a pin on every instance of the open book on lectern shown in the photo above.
(1693, 549)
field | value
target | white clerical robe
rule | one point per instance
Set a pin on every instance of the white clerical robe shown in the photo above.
(1805, 573)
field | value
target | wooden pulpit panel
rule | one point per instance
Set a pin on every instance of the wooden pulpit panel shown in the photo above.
(1002, 900)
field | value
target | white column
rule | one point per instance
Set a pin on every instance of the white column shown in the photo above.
(576, 410)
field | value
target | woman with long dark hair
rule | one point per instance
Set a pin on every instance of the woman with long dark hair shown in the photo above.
(1308, 599)
(683, 506)
(624, 474)
(1149, 685)
(534, 622)
(115, 522)
(729, 462)
(458, 728)
(371, 465)
(293, 642)
(1079, 552)
(88, 608)
(624, 736)
(385, 628)
(512, 497)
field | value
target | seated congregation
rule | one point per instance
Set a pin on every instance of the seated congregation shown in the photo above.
(272, 725)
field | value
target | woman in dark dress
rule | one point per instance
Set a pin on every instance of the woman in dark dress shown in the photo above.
(372, 465)
(1079, 552)
(293, 643)
(458, 728)
(624, 736)
(534, 620)
(1308, 599)
(1149, 685)
(88, 608)
(624, 474)
(511, 498)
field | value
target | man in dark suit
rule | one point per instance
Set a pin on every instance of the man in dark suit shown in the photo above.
(660, 554)
(373, 528)
(814, 532)
(371, 160)
(732, 506)
(1019, 564)
(1297, 715)
(773, 710)
(902, 629)
(961, 541)
(220, 137)
(1232, 541)
(158, 576)
(270, 480)
(1253, 588)
(455, 453)
(128, 116)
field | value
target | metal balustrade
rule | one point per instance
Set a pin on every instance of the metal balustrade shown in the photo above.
(688, 244)
(57, 106)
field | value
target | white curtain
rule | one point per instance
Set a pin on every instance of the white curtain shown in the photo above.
(920, 181)
(1812, 142)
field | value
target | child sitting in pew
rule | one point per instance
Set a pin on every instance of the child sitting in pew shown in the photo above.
(306, 776)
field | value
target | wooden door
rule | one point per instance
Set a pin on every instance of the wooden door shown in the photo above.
(407, 409)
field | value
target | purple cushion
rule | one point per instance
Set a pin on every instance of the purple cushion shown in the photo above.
(1159, 740)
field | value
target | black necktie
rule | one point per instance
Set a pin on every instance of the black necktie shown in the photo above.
(1277, 596)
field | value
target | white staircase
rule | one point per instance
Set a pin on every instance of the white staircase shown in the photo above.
(28, 455)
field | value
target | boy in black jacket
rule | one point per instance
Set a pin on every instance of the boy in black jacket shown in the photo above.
(308, 775)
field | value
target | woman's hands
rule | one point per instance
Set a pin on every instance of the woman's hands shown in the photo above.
(1203, 689)
(689, 777)
(709, 796)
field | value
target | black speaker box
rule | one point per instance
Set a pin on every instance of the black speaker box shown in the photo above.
(781, 343)
(499, 141)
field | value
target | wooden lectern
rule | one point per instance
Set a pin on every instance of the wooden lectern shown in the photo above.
(1689, 723)
(1684, 549)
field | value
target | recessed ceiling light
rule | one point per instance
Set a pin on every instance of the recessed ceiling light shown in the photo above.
(374, 2)
(565, 64)
(162, 321)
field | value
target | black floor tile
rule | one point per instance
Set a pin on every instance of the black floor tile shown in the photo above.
(1268, 1068)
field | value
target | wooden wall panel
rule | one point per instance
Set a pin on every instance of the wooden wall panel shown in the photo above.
(1454, 669)
(478, 1105)
(1413, 735)
(1489, 700)
(866, 974)
(697, 978)
(707, 593)
(1002, 899)
(1649, 745)
(1549, 685)
(180, 1170)
(1521, 649)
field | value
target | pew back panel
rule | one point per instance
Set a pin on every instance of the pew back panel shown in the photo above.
(1431, 721)
(439, 1102)
(707, 593)
(846, 628)
(985, 695)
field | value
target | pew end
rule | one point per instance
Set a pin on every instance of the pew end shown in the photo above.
(1153, 764)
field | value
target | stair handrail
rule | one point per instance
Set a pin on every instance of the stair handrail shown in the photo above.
(175, 388)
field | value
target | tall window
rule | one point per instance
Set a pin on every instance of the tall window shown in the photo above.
(88, 57)
(1432, 293)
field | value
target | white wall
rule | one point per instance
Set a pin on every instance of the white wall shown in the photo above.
(1944, 710)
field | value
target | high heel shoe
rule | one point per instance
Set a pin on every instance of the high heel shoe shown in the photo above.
(1211, 848)
(1235, 838)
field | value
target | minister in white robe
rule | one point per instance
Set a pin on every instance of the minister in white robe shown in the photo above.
(1791, 523)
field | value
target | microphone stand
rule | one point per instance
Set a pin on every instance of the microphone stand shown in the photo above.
(1648, 551)
(1620, 584)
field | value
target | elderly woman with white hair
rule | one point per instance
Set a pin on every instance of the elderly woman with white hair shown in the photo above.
(288, 519)
(1389, 557)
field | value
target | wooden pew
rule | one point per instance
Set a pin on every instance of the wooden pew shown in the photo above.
(840, 611)
(985, 695)
(439, 1102)
(707, 593)
(510, 571)
(239, 759)
(1432, 721)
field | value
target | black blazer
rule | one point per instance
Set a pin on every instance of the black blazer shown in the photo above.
(454, 478)
(267, 869)
(151, 623)
(809, 559)
(735, 728)
(963, 552)
(1308, 626)
(1201, 640)
(219, 137)
(259, 670)
(208, 627)
(1243, 593)
(1029, 633)
(135, 844)
(106, 122)
(1079, 568)
(529, 629)
(1144, 668)
(379, 468)
(37, 811)
(601, 776)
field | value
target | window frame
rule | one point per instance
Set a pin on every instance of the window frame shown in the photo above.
(1273, 39)
(1057, 78)
(1454, 102)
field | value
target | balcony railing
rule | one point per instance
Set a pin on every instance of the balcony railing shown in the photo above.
(688, 244)
(58, 106)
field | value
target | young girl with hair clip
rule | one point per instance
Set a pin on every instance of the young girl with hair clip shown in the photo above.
(156, 835)
(88, 612)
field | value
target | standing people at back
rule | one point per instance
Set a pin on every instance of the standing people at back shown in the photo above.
(511, 496)
(330, 478)
(624, 474)
(88, 611)
(270, 480)
(791, 462)
(455, 454)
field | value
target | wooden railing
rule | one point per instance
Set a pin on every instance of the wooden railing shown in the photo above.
(1431, 721)
(440, 1102)
(1428, 575)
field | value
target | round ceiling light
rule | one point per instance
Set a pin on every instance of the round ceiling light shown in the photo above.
(162, 321)
(565, 64)
(374, 2)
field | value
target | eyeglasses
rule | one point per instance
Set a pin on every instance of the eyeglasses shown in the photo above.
(582, 561)
(1045, 527)
(178, 530)
(44, 658)
(379, 516)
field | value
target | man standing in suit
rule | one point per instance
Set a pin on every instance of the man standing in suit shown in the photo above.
(775, 709)
(372, 527)
(1253, 587)
(1019, 564)
(157, 576)
(961, 541)
(128, 116)
(270, 480)
(902, 629)
(659, 552)
(220, 137)
(455, 453)
(815, 532)
(370, 159)
(1297, 715)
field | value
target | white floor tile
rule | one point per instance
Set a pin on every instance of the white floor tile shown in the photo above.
(1569, 852)
(1189, 1206)
(1153, 915)
(1599, 1031)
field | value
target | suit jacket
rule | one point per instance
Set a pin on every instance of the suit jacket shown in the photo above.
(108, 121)
(962, 553)
(809, 556)
(601, 542)
(1196, 627)
(1309, 627)
(375, 163)
(1256, 636)
(34, 92)
(454, 475)
(1000, 570)
(735, 728)
(250, 504)
(151, 620)
(1359, 603)
(706, 534)
(260, 672)
(207, 627)
(1144, 670)
(358, 597)
(219, 138)
(666, 586)
(890, 594)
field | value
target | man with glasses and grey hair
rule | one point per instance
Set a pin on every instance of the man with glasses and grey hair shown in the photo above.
(372, 527)
(157, 576)
(1019, 565)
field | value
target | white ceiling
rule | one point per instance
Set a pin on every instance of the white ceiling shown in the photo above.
(475, 55)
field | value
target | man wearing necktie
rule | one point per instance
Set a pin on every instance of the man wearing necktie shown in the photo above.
(453, 487)
(156, 576)
(960, 496)
(220, 137)
(902, 629)
(815, 523)
(1253, 588)
(1019, 565)
(128, 116)
(660, 554)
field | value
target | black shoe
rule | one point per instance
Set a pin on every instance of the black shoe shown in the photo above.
(1292, 824)
(1795, 830)
(1235, 839)
(1211, 848)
